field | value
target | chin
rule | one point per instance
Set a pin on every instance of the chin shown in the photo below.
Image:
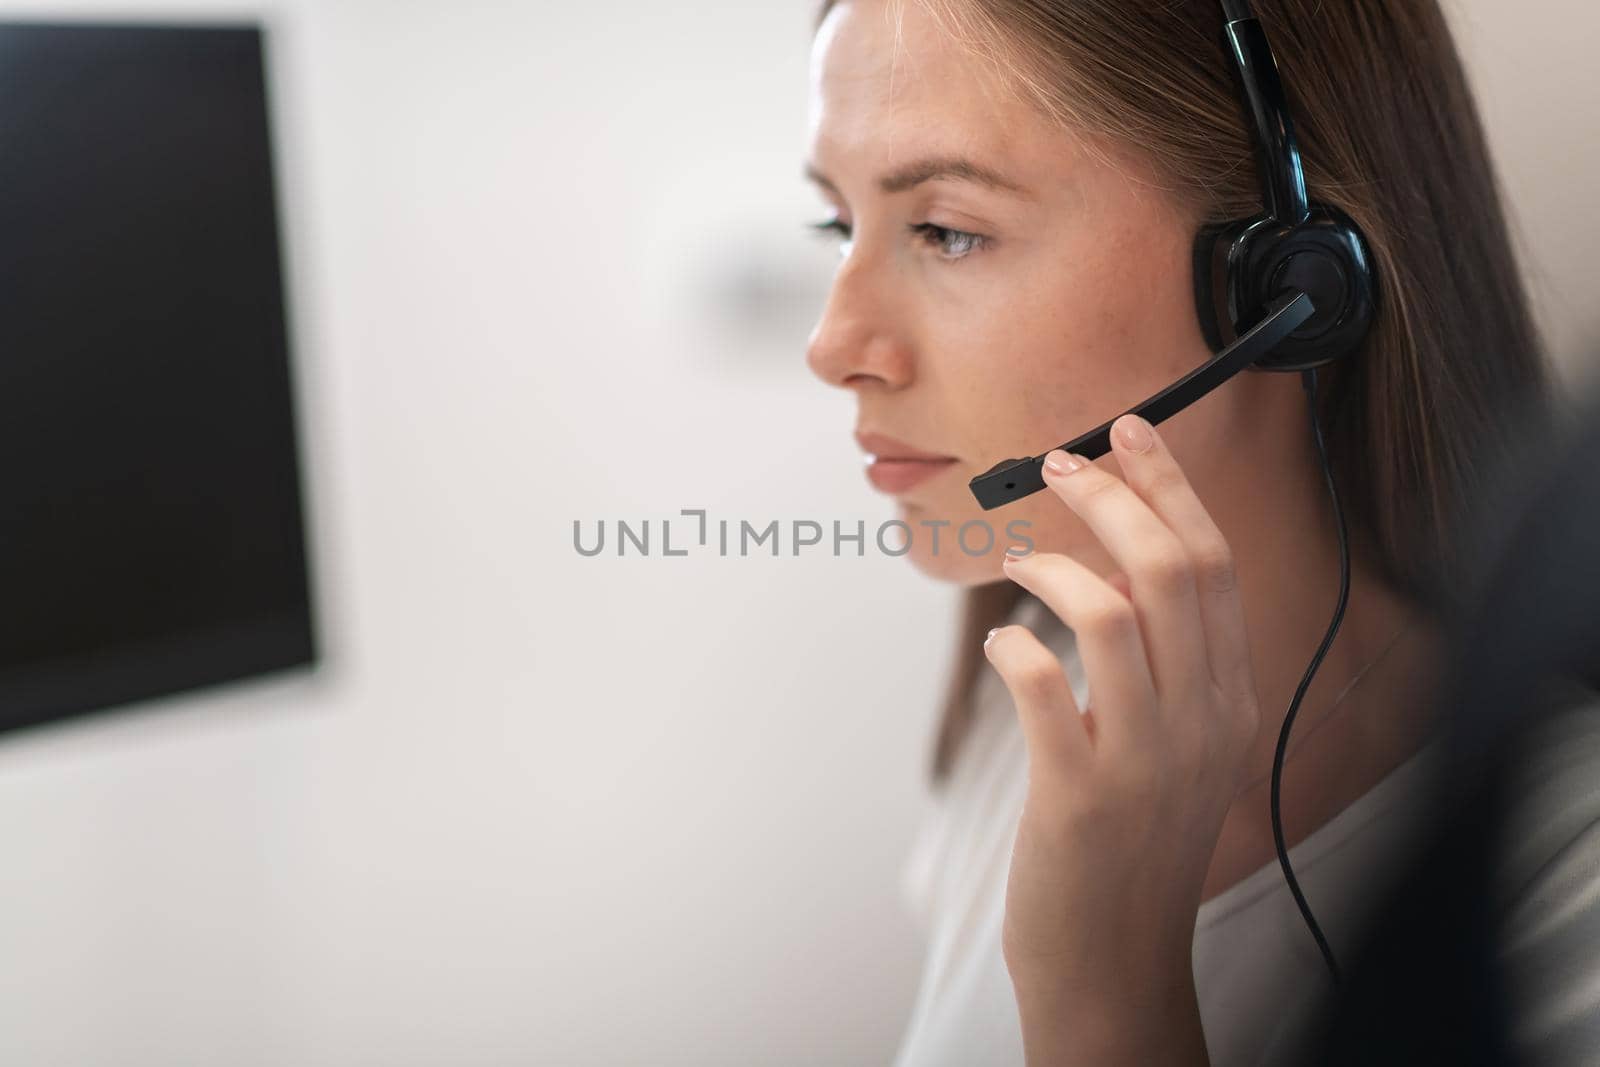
(975, 562)
(958, 569)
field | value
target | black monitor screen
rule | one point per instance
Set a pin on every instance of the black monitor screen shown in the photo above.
(151, 533)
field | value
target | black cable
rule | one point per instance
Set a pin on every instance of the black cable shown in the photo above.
(1309, 380)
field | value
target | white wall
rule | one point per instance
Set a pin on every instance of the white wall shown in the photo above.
(540, 809)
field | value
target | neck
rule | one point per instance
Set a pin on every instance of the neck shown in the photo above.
(1288, 565)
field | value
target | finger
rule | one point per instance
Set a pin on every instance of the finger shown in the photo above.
(1154, 473)
(1165, 601)
(1109, 642)
(1038, 685)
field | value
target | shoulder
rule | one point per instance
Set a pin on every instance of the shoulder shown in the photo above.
(1555, 810)
(1549, 880)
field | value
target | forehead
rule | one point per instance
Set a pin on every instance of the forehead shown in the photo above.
(888, 80)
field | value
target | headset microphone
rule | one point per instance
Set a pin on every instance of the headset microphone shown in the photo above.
(1290, 289)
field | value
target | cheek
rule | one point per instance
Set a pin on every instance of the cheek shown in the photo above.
(1092, 335)
(1060, 362)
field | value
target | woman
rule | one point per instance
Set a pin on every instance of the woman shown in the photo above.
(1018, 185)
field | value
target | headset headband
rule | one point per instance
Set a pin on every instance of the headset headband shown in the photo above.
(1283, 182)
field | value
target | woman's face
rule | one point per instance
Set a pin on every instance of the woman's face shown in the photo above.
(999, 292)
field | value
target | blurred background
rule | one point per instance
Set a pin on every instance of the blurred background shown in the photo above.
(546, 263)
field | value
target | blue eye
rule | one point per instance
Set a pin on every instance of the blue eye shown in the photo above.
(952, 244)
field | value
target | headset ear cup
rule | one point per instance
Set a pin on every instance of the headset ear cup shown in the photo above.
(1241, 266)
(1327, 257)
(1211, 283)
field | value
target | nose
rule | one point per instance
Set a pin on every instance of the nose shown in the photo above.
(857, 343)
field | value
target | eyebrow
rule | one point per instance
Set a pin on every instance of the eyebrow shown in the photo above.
(934, 168)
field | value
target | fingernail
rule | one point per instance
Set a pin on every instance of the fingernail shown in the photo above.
(1059, 462)
(1017, 551)
(1135, 433)
(986, 640)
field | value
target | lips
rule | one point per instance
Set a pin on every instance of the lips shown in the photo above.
(895, 467)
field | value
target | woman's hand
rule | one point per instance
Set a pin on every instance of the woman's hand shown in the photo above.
(1125, 798)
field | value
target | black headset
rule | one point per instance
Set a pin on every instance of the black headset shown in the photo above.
(1290, 289)
(1240, 267)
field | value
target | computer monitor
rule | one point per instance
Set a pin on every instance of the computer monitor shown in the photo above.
(151, 529)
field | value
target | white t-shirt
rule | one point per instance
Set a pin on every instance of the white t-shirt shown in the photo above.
(1258, 973)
